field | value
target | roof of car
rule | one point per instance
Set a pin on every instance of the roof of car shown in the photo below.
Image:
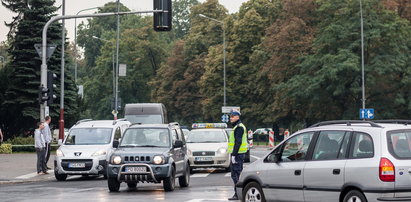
(149, 126)
(381, 124)
(99, 123)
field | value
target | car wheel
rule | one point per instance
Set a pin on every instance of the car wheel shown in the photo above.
(60, 177)
(253, 192)
(247, 157)
(113, 184)
(131, 184)
(184, 180)
(354, 196)
(105, 176)
(170, 182)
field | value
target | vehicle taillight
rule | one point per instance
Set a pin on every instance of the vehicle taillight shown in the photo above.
(387, 170)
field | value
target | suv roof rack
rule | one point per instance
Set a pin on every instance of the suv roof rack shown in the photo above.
(115, 121)
(397, 121)
(348, 122)
(83, 120)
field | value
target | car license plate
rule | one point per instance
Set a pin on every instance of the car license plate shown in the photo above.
(77, 165)
(203, 159)
(136, 169)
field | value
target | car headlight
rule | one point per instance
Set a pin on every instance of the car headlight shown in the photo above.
(222, 150)
(158, 159)
(59, 153)
(99, 153)
(116, 160)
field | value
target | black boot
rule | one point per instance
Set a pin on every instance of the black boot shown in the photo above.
(234, 197)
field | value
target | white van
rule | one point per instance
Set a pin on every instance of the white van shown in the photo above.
(86, 148)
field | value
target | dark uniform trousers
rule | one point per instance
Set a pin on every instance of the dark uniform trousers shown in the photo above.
(236, 168)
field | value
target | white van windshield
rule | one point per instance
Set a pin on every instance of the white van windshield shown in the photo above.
(89, 136)
(145, 119)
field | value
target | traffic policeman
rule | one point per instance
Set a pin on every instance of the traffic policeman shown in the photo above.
(237, 147)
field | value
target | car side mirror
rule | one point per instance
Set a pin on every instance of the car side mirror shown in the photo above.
(277, 157)
(60, 142)
(116, 143)
(178, 144)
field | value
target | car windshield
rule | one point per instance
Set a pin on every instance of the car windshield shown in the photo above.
(399, 143)
(204, 136)
(146, 137)
(89, 136)
(145, 119)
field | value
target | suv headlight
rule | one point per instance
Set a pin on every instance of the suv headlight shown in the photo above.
(222, 150)
(158, 159)
(116, 160)
(99, 153)
(59, 153)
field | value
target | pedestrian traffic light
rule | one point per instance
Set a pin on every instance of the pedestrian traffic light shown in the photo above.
(50, 86)
(162, 20)
(43, 97)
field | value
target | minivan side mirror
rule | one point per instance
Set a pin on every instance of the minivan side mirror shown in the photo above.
(115, 143)
(277, 157)
(178, 143)
(60, 142)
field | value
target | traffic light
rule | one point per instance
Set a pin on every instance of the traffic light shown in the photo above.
(50, 87)
(162, 20)
(43, 94)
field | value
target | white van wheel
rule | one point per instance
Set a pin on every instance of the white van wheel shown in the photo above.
(253, 193)
(354, 196)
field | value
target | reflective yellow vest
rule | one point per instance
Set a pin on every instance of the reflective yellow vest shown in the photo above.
(231, 140)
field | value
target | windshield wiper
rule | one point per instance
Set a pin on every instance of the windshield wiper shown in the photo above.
(128, 145)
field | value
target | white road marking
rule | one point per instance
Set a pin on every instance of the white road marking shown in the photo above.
(200, 200)
(27, 176)
(200, 175)
(256, 157)
(227, 175)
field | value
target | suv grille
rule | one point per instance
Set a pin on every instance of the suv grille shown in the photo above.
(132, 159)
(204, 153)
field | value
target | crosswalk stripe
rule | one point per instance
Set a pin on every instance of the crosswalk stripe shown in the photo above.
(200, 175)
(27, 176)
(227, 175)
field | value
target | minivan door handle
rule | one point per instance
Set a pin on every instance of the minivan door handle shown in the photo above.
(336, 171)
(297, 172)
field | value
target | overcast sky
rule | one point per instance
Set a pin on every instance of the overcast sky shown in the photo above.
(74, 6)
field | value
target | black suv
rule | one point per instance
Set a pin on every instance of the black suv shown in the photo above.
(150, 153)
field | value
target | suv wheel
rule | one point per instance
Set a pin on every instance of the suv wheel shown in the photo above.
(59, 177)
(354, 196)
(170, 183)
(184, 180)
(131, 184)
(113, 184)
(253, 192)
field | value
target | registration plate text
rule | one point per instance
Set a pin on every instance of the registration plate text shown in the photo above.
(136, 169)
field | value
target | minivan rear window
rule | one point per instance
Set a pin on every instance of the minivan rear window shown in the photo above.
(399, 144)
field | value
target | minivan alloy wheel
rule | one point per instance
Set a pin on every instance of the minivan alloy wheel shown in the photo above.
(253, 195)
(354, 199)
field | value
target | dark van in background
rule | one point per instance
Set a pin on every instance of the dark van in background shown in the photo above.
(146, 113)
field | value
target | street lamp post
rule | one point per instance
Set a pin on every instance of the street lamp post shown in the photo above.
(114, 67)
(362, 57)
(75, 41)
(201, 15)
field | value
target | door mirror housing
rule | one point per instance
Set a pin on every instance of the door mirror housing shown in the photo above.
(60, 142)
(116, 143)
(178, 144)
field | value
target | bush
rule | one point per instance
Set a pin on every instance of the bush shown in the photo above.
(21, 141)
(29, 148)
(5, 149)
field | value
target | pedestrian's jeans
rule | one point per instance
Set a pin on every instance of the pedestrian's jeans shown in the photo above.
(236, 168)
(41, 156)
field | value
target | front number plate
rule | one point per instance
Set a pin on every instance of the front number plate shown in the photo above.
(203, 159)
(76, 165)
(136, 169)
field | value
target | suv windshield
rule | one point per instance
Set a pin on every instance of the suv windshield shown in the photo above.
(203, 136)
(145, 119)
(399, 143)
(146, 137)
(87, 136)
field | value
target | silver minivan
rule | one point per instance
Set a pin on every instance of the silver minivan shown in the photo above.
(346, 161)
(86, 148)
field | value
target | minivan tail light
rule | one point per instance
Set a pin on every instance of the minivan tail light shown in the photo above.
(387, 170)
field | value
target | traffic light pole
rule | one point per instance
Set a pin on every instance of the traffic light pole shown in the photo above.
(61, 122)
(43, 73)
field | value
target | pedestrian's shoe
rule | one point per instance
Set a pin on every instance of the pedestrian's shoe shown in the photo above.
(48, 168)
(234, 197)
(45, 172)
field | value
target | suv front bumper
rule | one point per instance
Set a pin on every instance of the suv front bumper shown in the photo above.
(153, 173)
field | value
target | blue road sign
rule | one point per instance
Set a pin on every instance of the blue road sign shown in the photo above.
(366, 113)
(224, 118)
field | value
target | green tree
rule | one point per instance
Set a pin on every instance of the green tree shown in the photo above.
(181, 16)
(20, 109)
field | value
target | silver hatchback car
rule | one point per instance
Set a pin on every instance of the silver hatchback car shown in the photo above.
(343, 161)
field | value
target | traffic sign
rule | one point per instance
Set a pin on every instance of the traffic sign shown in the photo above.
(224, 118)
(226, 109)
(49, 50)
(366, 113)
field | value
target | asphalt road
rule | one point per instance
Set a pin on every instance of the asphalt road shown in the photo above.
(205, 185)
